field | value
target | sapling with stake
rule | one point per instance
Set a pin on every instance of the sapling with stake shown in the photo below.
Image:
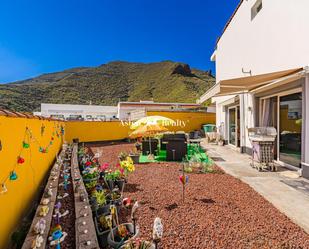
(109, 220)
(114, 214)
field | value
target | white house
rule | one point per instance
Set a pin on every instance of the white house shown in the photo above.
(263, 79)
(87, 112)
(123, 111)
(134, 110)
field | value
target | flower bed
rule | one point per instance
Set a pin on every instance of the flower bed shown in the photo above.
(107, 200)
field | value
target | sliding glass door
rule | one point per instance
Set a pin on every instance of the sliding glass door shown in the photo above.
(284, 112)
(290, 123)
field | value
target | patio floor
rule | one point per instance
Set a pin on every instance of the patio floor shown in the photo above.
(220, 211)
(288, 192)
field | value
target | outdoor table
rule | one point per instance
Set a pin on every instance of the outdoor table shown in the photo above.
(195, 141)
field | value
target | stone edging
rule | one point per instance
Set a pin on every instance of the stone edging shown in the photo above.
(84, 226)
(52, 184)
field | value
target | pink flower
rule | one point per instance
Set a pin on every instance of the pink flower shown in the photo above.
(121, 170)
(104, 166)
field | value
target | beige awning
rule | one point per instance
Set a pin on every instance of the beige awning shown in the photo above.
(247, 84)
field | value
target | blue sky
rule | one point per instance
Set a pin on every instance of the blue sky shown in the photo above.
(40, 36)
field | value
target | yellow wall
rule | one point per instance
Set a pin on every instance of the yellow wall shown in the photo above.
(87, 131)
(14, 204)
(190, 120)
(90, 131)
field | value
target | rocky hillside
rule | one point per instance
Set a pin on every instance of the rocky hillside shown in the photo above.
(107, 84)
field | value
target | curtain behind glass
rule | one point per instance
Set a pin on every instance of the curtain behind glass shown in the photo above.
(267, 112)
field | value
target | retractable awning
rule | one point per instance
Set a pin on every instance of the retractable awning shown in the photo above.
(247, 84)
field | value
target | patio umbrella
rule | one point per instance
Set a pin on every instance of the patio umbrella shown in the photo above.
(162, 121)
(148, 130)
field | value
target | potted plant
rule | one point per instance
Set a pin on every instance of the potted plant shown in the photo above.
(90, 174)
(116, 197)
(102, 229)
(134, 156)
(122, 156)
(100, 201)
(138, 244)
(112, 177)
(90, 185)
(122, 233)
(127, 166)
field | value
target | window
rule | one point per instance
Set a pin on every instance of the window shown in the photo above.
(257, 7)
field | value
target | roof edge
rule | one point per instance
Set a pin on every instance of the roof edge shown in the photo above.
(13, 114)
(229, 21)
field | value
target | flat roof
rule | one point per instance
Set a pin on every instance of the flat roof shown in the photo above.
(76, 105)
(157, 103)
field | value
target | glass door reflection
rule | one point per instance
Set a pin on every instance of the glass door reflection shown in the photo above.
(290, 123)
(232, 125)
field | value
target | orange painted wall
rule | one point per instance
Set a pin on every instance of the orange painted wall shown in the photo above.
(15, 203)
(90, 131)
(189, 121)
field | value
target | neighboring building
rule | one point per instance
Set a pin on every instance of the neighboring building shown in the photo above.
(78, 112)
(135, 110)
(263, 79)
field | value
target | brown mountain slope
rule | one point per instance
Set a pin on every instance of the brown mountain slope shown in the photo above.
(107, 84)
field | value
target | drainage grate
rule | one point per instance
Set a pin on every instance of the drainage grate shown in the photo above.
(218, 159)
(298, 185)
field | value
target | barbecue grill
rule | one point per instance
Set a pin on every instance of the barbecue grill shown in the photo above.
(263, 147)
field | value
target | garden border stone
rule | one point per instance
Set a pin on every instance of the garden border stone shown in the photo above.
(52, 184)
(89, 239)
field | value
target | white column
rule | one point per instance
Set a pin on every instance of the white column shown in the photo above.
(248, 116)
(243, 107)
(305, 128)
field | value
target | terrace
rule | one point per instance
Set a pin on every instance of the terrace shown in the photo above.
(79, 200)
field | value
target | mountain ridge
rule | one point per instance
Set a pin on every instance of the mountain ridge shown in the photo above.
(108, 83)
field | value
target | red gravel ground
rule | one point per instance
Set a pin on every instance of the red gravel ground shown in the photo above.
(220, 211)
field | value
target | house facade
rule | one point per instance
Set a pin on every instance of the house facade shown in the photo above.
(86, 112)
(262, 79)
(133, 110)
